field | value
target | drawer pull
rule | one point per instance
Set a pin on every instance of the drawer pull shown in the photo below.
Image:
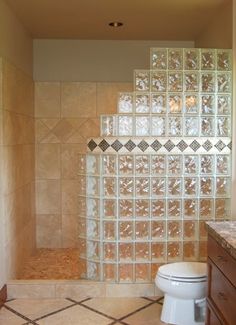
(222, 296)
(221, 258)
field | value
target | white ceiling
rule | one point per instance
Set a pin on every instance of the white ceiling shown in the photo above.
(143, 19)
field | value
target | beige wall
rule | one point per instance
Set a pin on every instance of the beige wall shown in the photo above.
(97, 61)
(218, 33)
(16, 44)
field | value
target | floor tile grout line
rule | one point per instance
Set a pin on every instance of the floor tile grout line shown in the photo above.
(20, 315)
(98, 312)
(54, 312)
(136, 311)
(77, 302)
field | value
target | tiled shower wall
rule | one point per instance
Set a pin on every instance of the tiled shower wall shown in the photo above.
(66, 113)
(17, 166)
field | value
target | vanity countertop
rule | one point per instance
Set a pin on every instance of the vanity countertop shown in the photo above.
(224, 233)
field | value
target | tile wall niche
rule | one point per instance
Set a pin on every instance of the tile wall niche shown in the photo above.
(66, 114)
(17, 167)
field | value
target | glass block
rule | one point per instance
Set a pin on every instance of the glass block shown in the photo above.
(174, 186)
(174, 208)
(142, 103)
(206, 208)
(175, 103)
(126, 186)
(142, 186)
(126, 164)
(93, 186)
(142, 126)
(191, 128)
(92, 229)
(142, 80)
(207, 126)
(109, 230)
(142, 208)
(108, 126)
(207, 164)
(158, 103)
(82, 244)
(208, 104)
(93, 164)
(93, 271)
(208, 59)
(126, 208)
(174, 165)
(190, 186)
(142, 230)
(109, 252)
(159, 58)
(158, 230)
(158, 186)
(125, 103)
(223, 126)
(93, 208)
(81, 164)
(125, 125)
(191, 81)
(158, 251)
(82, 185)
(142, 164)
(203, 250)
(109, 209)
(191, 104)
(158, 126)
(175, 81)
(223, 185)
(223, 164)
(158, 164)
(109, 186)
(126, 230)
(222, 209)
(224, 82)
(109, 164)
(190, 208)
(190, 230)
(202, 229)
(208, 82)
(158, 81)
(142, 251)
(82, 206)
(82, 228)
(224, 60)
(126, 273)
(92, 250)
(109, 272)
(191, 59)
(190, 164)
(190, 251)
(142, 272)
(174, 251)
(126, 251)
(206, 186)
(224, 104)
(175, 59)
(175, 126)
(174, 230)
(158, 208)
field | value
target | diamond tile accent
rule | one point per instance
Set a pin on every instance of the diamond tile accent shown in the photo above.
(169, 145)
(116, 145)
(143, 145)
(130, 145)
(194, 145)
(220, 145)
(182, 145)
(230, 145)
(207, 145)
(156, 145)
(92, 145)
(104, 145)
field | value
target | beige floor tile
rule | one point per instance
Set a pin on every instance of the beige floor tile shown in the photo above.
(148, 316)
(76, 315)
(9, 318)
(36, 308)
(116, 307)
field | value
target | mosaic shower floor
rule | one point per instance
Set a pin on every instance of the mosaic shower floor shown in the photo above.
(52, 264)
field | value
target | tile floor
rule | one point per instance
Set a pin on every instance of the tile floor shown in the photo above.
(91, 311)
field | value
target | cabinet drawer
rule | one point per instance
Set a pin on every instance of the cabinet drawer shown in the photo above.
(222, 259)
(222, 294)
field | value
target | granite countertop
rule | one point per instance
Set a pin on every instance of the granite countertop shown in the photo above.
(224, 233)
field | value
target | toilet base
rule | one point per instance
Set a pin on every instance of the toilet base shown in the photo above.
(183, 312)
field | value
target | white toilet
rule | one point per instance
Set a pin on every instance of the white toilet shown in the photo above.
(184, 286)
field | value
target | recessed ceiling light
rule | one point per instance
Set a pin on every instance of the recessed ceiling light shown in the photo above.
(116, 24)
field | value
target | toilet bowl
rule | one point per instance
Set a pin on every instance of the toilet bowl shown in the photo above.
(184, 286)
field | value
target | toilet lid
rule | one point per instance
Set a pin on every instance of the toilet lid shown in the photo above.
(180, 270)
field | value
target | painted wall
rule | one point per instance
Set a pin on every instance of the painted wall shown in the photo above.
(94, 61)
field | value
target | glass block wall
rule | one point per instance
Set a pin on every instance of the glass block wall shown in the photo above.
(160, 169)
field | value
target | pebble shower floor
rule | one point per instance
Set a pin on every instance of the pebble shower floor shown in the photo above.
(160, 169)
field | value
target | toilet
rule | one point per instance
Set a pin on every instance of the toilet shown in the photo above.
(184, 286)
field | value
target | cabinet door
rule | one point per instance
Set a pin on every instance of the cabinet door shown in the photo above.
(212, 319)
